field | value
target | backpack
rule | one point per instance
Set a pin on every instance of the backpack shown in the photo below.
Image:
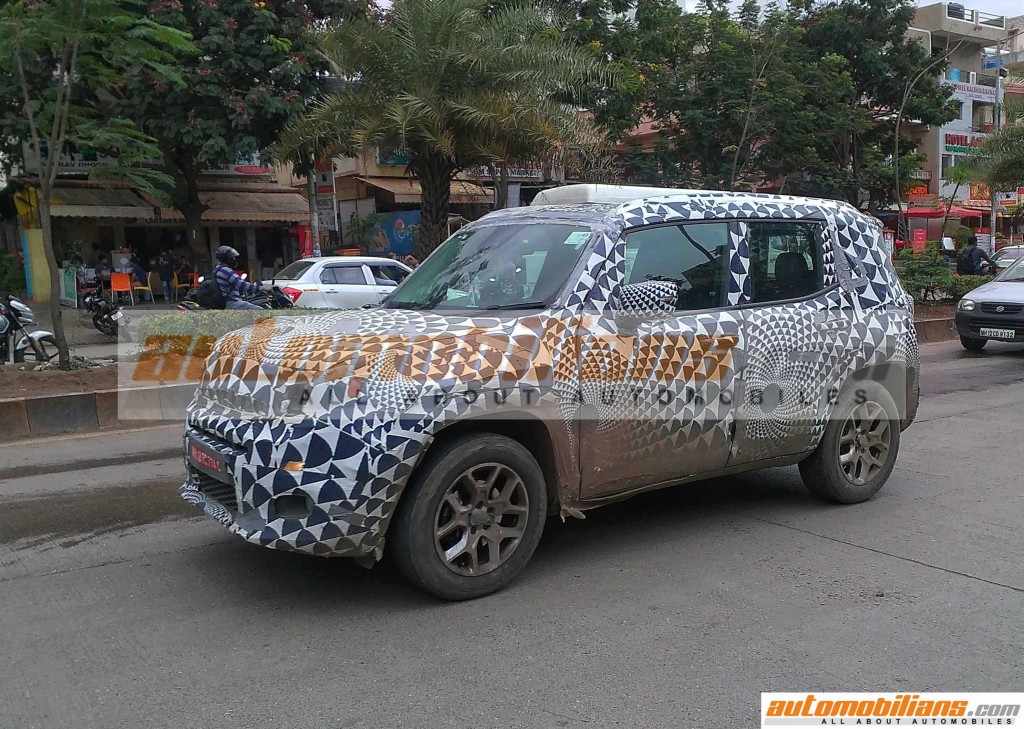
(209, 296)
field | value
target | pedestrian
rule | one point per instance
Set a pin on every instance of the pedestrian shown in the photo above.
(139, 276)
(166, 263)
(411, 261)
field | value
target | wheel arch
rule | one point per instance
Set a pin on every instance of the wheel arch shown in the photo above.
(536, 435)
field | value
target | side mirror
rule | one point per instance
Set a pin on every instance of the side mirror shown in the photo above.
(646, 297)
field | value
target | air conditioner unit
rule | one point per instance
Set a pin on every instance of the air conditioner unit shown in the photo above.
(972, 77)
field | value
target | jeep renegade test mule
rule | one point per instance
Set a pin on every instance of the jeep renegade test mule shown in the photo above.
(546, 360)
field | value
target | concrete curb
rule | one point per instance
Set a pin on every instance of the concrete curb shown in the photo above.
(80, 412)
(935, 330)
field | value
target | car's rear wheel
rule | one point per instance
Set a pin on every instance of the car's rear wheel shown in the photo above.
(858, 449)
(972, 344)
(471, 517)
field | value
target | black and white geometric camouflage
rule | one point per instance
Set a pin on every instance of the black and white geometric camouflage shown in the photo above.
(356, 397)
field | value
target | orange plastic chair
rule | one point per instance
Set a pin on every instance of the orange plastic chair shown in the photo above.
(121, 283)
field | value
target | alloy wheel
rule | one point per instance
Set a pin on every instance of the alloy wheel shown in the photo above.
(481, 519)
(864, 443)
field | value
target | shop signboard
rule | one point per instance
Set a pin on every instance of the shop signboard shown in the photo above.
(919, 239)
(69, 287)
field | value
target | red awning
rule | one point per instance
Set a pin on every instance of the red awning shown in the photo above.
(955, 211)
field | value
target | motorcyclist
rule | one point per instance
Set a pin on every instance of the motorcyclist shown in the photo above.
(231, 285)
(968, 263)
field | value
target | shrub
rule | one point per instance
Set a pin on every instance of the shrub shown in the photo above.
(12, 275)
(961, 285)
(205, 323)
(924, 275)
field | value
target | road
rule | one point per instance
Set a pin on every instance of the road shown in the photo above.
(120, 607)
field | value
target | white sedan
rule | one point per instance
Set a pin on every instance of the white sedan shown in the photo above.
(339, 282)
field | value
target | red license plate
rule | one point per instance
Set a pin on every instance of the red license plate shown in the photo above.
(207, 461)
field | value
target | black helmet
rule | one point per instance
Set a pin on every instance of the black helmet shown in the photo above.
(227, 255)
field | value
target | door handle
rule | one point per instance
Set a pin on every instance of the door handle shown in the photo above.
(832, 325)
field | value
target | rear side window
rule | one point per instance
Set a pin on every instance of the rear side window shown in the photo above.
(343, 275)
(785, 260)
(294, 270)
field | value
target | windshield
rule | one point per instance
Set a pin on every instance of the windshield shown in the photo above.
(1015, 271)
(293, 270)
(495, 267)
(1009, 254)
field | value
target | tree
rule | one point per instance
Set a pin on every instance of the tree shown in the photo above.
(68, 58)
(960, 174)
(871, 36)
(252, 68)
(1003, 150)
(452, 82)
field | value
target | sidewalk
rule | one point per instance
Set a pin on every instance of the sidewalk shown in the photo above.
(84, 339)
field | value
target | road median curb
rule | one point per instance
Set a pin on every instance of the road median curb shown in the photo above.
(79, 412)
(935, 330)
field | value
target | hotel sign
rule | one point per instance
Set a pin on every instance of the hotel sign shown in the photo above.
(961, 142)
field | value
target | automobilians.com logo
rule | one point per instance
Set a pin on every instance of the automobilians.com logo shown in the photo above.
(890, 709)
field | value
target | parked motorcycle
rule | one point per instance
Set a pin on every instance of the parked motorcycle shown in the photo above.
(107, 316)
(17, 344)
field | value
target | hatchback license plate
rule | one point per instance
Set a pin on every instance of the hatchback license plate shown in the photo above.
(997, 333)
(117, 315)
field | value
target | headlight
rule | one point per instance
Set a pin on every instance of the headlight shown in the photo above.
(966, 305)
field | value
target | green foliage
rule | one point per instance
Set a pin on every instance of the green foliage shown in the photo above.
(960, 234)
(250, 67)
(456, 83)
(12, 275)
(961, 285)
(804, 95)
(361, 229)
(926, 275)
(205, 323)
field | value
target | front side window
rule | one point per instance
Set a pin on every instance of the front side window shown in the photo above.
(387, 274)
(691, 256)
(785, 260)
(495, 267)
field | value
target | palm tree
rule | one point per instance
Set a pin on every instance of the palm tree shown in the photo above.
(454, 83)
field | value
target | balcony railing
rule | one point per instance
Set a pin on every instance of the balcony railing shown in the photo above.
(956, 11)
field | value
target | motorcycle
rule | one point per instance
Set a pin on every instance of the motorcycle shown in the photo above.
(107, 317)
(275, 298)
(17, 344)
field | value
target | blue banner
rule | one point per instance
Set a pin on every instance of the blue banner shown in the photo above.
(393, 234)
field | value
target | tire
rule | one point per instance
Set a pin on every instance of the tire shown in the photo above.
(850, 465)
(973, 345)
(457, 471)
(105, 325)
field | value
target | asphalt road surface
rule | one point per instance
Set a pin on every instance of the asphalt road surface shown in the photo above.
(122, 607)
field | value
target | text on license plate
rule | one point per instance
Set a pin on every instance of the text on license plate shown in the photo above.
(206, 461)
(997, 333)
(116, 315)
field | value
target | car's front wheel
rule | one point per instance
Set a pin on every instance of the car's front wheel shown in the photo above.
(972, 344)
(471, 517)
(858, 449)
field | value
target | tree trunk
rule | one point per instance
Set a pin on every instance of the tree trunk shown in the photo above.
(435, 175)
(63, 354)
(499, 176)
(314, 216)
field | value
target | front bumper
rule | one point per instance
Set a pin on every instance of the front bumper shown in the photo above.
(970, 323)
(337, 510)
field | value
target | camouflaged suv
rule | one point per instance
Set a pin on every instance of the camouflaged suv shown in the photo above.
(550, 359)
